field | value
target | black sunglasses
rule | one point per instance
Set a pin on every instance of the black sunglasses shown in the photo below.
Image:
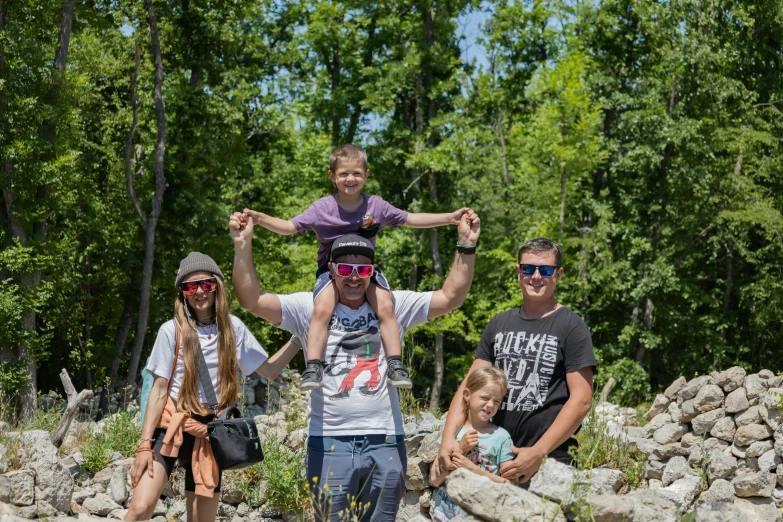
(544, 270)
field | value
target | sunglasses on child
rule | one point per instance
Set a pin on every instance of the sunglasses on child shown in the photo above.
(544, 270)
(191, 287)
(347, 269)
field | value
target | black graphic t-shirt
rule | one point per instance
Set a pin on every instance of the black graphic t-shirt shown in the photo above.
(535, 355)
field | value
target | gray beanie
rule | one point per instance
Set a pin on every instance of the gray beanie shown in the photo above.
(197, 262)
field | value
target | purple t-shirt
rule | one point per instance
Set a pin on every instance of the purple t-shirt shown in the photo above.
(329, 221)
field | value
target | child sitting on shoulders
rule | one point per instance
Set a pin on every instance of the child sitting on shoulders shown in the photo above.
(484, 446)
(349, 211)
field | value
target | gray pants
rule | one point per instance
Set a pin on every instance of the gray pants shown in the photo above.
(367, 470)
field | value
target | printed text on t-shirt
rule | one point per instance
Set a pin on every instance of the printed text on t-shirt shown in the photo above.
(528, 362)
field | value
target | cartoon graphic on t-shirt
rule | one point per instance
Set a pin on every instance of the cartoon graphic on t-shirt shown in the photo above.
(368, 221)
(364, 347)
(528, 361)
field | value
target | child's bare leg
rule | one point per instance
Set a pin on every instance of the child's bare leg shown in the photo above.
(381, 302)
(317, 335)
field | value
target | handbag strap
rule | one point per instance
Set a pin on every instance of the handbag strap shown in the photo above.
(176, 354)
(206, 381)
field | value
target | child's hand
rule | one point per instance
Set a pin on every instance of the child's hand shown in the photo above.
(253, 214)
(468, 441)
(241, 228)
(461, 461)
(457, 215)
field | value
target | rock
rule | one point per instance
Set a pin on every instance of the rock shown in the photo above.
(675, 469)
(248, 394)
(601, 480)
(758, 448)
(430, 445)
(5, 490)
(703, 423)
(101, 505)
(53, 483)
(232, 496)
(654, 484)
(720, 491)
(740, 452)
(653, 469)
(176, 510)
(682, 492)
(715, 444)
(687, 411)
(750, 433)
(103, 477)
(659, 405)
(724, 429)
(720, 466)
(751, 416)
(691, 389)
(80, 495)
(498, 502)
(416, 474)
(670, 433)
(675, 412)
(674, 388)
(753, 386)
(553, 481)
(758, 509)
(655, 451)
(296, 438)
(409, 507)
(766, 374)
(779, 447)
(610, 508)
(779, 474)
(758, 484)
(731, 379)
(772, 416)
(769, 461)
(747, 466)
(649, 506)
(118, 489)
(696, 458)
(736, 401)
(710, 397)
(22, 485)
(657, 422)
(723, 511)
(691, 439)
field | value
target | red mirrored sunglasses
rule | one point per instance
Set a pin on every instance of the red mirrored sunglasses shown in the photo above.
(347, 269)
(191, 287)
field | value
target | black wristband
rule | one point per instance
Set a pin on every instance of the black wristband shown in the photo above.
(462, 249)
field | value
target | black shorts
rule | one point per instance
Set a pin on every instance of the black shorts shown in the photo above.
(185, 455)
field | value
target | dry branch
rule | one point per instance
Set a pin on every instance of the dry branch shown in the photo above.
(74, 400)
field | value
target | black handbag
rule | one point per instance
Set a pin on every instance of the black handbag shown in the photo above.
(235, 442)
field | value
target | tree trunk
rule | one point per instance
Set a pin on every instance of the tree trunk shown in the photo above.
(86, 342)
(502, 138)
(123, 327)
(157, 200)
(335, 85)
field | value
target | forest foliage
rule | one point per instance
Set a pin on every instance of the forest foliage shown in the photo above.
(644, 136)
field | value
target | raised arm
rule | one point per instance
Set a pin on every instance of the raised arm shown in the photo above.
(248, 290)
(457, 283)
(284, 227)
(422, 220)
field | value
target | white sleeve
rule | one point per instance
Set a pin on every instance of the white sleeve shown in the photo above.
(411, 308)
(297, 313)
(250, 353)
(162, 357)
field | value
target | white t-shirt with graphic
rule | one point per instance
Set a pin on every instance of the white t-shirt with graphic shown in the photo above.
(354, 398)
(250, 354)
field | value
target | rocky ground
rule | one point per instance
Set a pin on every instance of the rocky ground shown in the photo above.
(713, 448)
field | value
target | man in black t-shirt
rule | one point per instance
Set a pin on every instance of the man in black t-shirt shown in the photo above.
(546, 352)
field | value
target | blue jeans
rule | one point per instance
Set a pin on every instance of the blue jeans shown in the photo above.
(365, 470)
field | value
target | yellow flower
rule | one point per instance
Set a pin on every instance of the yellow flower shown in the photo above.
(315, 479)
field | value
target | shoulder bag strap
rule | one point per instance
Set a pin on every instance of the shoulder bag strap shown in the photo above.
(206, 381)
(176, 354)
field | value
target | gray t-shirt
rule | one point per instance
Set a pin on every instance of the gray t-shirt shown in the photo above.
(250, 354)
(354, 398)
(329, 221)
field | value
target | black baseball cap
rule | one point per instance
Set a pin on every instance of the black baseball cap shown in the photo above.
(352, 244)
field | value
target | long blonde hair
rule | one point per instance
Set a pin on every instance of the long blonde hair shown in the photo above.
(227, 354)
(483, 377)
